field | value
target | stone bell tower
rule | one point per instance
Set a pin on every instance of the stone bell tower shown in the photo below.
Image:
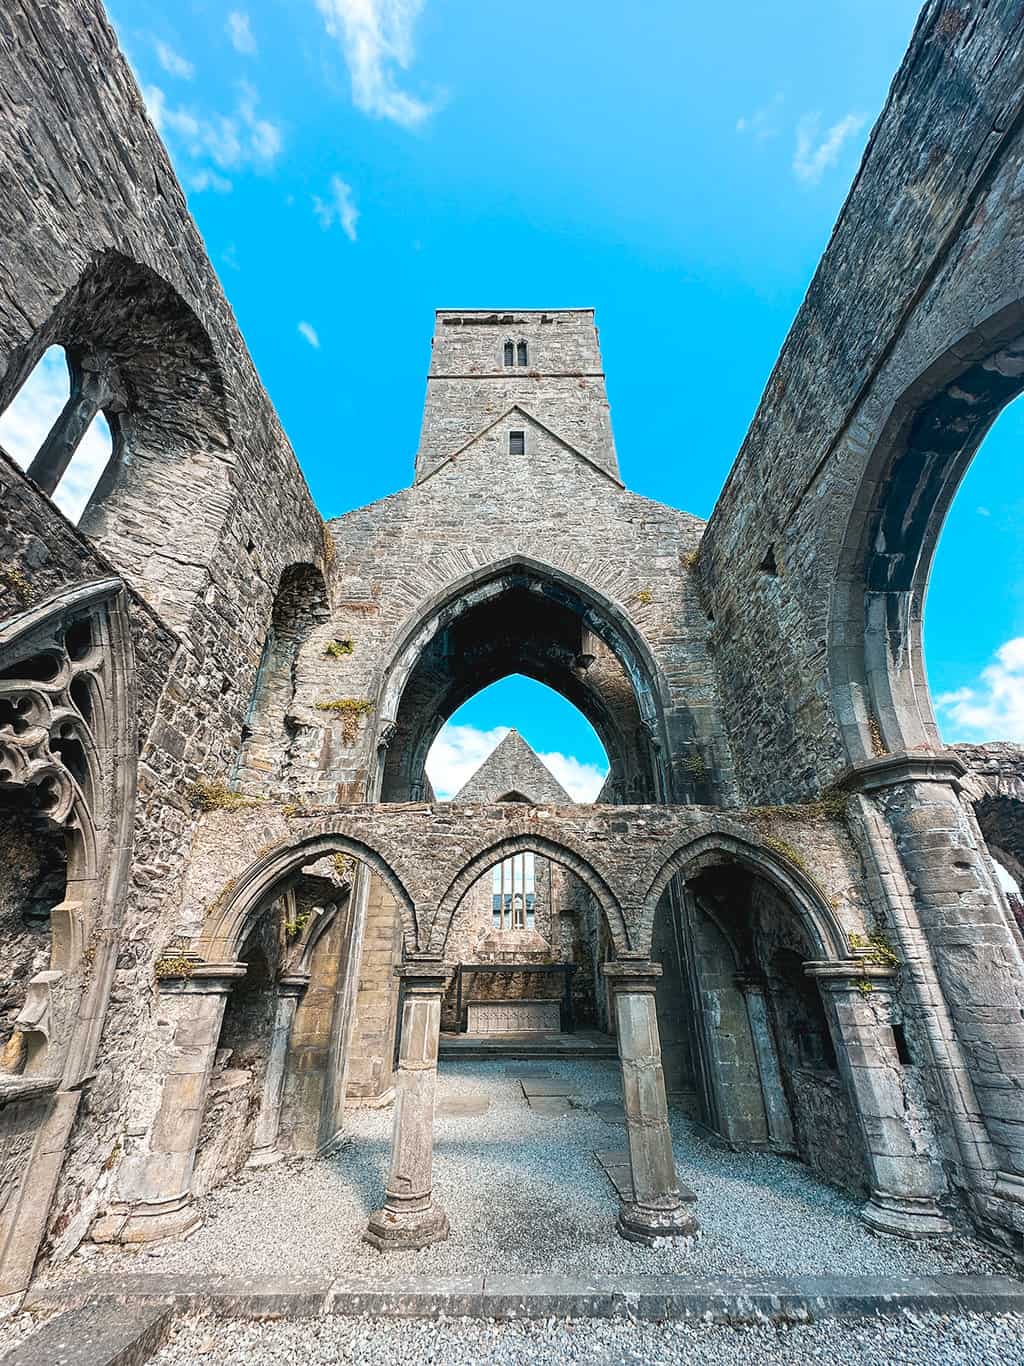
(543, 367)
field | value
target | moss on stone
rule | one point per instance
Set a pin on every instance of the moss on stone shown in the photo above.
(213, 794)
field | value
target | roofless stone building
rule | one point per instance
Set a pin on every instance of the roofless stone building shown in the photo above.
(229, 904)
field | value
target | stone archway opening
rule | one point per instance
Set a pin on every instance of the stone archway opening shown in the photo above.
(524, 952)
(526, 621)
(746, 1031)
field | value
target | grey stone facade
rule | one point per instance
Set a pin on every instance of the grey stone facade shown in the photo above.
(215, 711)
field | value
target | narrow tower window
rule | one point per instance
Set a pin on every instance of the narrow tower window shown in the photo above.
(522, 355)
(510, 354)
(517, 443)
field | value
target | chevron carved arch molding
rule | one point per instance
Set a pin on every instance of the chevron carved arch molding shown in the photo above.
(67, 773)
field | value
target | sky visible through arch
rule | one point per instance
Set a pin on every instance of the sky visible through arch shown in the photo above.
(354, 164)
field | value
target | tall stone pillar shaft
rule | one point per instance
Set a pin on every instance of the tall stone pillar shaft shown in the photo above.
(776, 1105)
(905, 1179)
(659, 1207)
(409, 1218)
(268, 1121)
(156, 1198)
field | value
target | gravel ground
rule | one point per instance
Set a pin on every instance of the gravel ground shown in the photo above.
(911, 1341)
(524, 1193)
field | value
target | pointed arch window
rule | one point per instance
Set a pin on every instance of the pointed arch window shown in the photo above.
(510, 353)
(522, 354)
(55, 427)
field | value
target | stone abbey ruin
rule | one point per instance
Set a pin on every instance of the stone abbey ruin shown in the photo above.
(230, 905)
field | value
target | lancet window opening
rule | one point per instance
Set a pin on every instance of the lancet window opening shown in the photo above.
(516, 353)
(513, 888)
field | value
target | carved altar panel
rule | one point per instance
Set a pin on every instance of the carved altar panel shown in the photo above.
(514, 1017)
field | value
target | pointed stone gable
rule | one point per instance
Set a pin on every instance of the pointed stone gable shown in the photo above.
(513, 767)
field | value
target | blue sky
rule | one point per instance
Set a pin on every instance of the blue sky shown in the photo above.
(354, 164)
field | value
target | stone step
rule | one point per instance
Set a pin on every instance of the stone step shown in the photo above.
(101, 1333)
(718, 1299)
(511, 1047)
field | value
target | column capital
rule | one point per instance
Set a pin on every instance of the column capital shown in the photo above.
(632, 974)
(850, 974)
(888, 770)
(202, 978)
(424, 976)
(292, 983)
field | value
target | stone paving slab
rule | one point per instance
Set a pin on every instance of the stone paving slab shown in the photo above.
(617, 1169)
(729, 1299)
(463, 1107)
(550, 1105)
(541, 1086)
(97, 1334)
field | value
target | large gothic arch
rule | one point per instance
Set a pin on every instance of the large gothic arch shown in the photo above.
(628, 714)
(933, 432)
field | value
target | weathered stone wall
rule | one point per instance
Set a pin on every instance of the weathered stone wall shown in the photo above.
(309, 1054)
(100, 252)
(372, 1047)
(928, 247)
(402, 556)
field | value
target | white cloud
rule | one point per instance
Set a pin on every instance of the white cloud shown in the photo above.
(230, 141)
(764, 123)
(816, 151)
(208, 180)
(376, 36)
(993, 709)
(339, 206)
(173, 62)
(582, 781)
(240, 33)
(459, 751)
(456, 755)
(26, 423)
(308, 331)
(984, 512)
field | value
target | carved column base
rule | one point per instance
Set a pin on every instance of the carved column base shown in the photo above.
(406, 1230)
(652, 1226)
(145, 1223)
(905, 1216)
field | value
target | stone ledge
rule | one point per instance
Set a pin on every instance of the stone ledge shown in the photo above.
(97, 1334)
(730, 1299)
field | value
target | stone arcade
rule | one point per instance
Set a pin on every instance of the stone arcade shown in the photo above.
(229, 903)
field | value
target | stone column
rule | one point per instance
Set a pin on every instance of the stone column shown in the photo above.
(959, 921)
(776, 1104)
(264, 1149)
(660, 1206)
(409, 1218)
(156, 1198)
(905, 1179)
